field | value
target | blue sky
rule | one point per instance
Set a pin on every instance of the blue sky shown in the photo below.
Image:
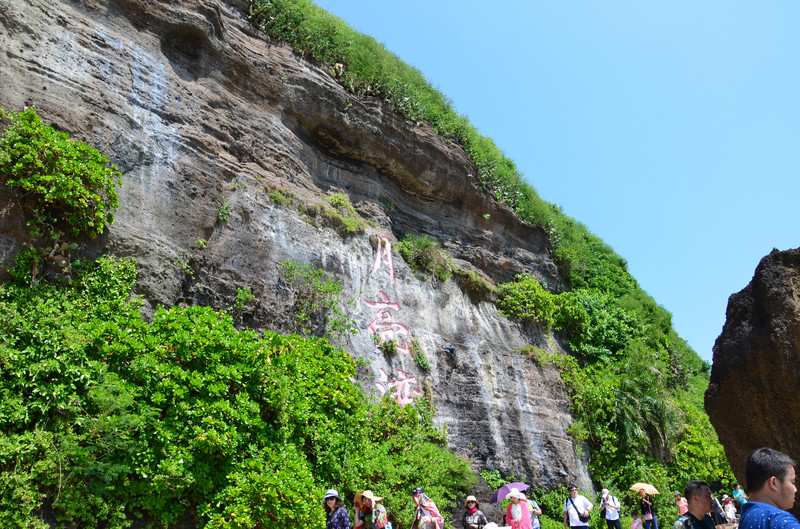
(672, 129)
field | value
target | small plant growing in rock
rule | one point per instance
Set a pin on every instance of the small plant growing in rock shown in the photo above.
(420, 358)
(224, 210)
(280, 197)
(389, 204)
(342, 205)
(388, 347)
(244, 296)
(424, 253)
(317, 297)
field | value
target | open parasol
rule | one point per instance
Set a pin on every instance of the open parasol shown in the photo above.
(648, 488)
(502, 492)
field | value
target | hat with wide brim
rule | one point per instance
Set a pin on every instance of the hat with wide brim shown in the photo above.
(368, 494)
(469, 499)
(332, 493)
(515, 493)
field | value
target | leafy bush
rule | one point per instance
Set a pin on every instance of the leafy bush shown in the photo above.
(65, 185)
(424, 253)
(341, 204)
(108, 418)
(318, 301)
(527, 299)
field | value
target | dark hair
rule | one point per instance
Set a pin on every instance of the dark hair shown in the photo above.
(695, 488)
(762, 464)
(336, 505)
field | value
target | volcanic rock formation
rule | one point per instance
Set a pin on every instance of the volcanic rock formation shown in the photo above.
(752, 398)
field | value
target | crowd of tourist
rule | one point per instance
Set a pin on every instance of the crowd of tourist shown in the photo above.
(770, 483)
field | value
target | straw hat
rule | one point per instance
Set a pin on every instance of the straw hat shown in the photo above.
(469, 499)
(368, 494)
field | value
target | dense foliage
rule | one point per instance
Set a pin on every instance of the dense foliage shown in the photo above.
(107, 417)
(66, 186)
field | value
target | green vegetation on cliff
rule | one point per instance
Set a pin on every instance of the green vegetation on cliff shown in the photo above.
(634, 381)
(106, 417)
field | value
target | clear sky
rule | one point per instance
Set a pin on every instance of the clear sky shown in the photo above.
(671, 129)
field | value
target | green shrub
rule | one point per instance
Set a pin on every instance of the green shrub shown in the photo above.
(420, 358)
(319, 303)
(280, 197)
(527, 299)
(66, 186)
(341, 204)
(424, 253)
(224, 213)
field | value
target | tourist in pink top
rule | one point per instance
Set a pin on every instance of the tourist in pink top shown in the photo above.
(517, 513)
(683, 505)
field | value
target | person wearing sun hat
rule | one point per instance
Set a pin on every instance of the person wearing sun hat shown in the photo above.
(518, 515)
(370, 511)
(337, 515)
(426, 514)
(473, 517)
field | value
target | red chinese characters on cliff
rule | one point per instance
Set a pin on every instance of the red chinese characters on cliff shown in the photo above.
(385, 328)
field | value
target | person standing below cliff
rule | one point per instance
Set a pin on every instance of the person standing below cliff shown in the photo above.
(611, 506)
(426, 514)
(518, 515)
(770, 484)
(373, 513)
(698, 495)
(473, 517)
(648, 511)
(576, 509)
(681, 503)
(739, 498)
(535, 512)
(337, 516)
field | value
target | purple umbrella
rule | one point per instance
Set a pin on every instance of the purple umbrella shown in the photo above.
(502, 492)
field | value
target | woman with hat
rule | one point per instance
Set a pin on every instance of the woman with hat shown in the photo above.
(517, 513)
(337, 515)
(426, 515)
(372, 513)
(473, 517)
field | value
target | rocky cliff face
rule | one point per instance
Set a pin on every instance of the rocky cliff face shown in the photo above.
(198, 110)
(752, 397)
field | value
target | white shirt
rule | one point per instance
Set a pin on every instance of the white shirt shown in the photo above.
(612, 509)
(581, 504)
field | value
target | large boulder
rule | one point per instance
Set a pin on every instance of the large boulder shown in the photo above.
(752, 399)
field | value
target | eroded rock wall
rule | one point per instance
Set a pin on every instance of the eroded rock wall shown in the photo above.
(752, 398)
(198, 110)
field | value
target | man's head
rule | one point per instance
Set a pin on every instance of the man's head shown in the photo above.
(698, 494)
(573, 491)
(770, 477)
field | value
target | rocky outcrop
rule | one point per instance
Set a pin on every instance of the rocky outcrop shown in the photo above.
(752, 397)
(201, 113)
